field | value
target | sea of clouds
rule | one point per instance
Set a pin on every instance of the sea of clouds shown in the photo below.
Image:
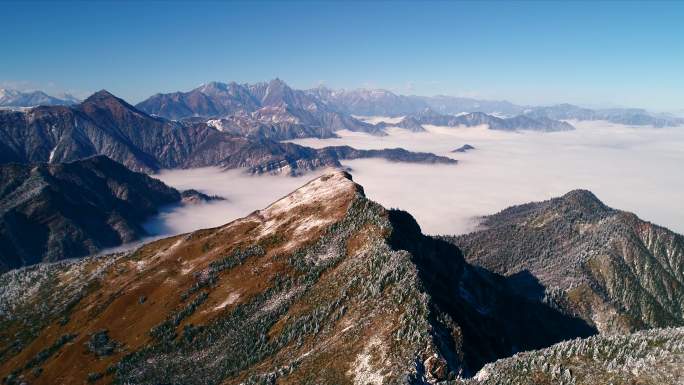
(637, 169)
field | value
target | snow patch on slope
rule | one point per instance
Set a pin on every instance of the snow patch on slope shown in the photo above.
(363, 370)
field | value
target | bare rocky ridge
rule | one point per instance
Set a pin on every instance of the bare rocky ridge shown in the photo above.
(617, 272)
(323, 286)
(70, 210)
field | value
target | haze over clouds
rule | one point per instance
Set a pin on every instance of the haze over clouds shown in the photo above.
(244, 194)
(634, 169)
(631, 168)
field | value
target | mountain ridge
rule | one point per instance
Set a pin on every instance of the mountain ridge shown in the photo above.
(107, 125)
(288, 113)
(70, 210)
(616, 271)
(322, 285)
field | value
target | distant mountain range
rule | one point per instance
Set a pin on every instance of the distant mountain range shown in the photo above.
(378, 102)
(106, 125)
(627, 116)
(15, 98)
(70, 210)
(520, 122)
(276, 111)
(385, 103)
(272, 110)
(325, 286)
(617, 272)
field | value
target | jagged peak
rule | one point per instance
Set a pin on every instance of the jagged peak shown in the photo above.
(105, 99)
(101, 94)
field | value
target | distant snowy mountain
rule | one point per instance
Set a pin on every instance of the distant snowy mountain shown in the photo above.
(368, 102)
(378, 102)
(627, 116)
(274, 110)
(266, 110)
(520, 122)
(15, 98)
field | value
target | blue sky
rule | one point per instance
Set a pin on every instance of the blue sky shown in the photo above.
(601, 54)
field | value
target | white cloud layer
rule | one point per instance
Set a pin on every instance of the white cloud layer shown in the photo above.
(244, 194)
(630, 168)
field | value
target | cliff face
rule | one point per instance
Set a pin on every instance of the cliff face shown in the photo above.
(617, 272)
(322, 286)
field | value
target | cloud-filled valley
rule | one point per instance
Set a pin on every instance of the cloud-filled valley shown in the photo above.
(630, 168)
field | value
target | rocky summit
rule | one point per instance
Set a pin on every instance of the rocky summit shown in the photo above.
(323, 286)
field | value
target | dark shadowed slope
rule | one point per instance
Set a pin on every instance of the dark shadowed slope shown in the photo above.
(52, 212)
